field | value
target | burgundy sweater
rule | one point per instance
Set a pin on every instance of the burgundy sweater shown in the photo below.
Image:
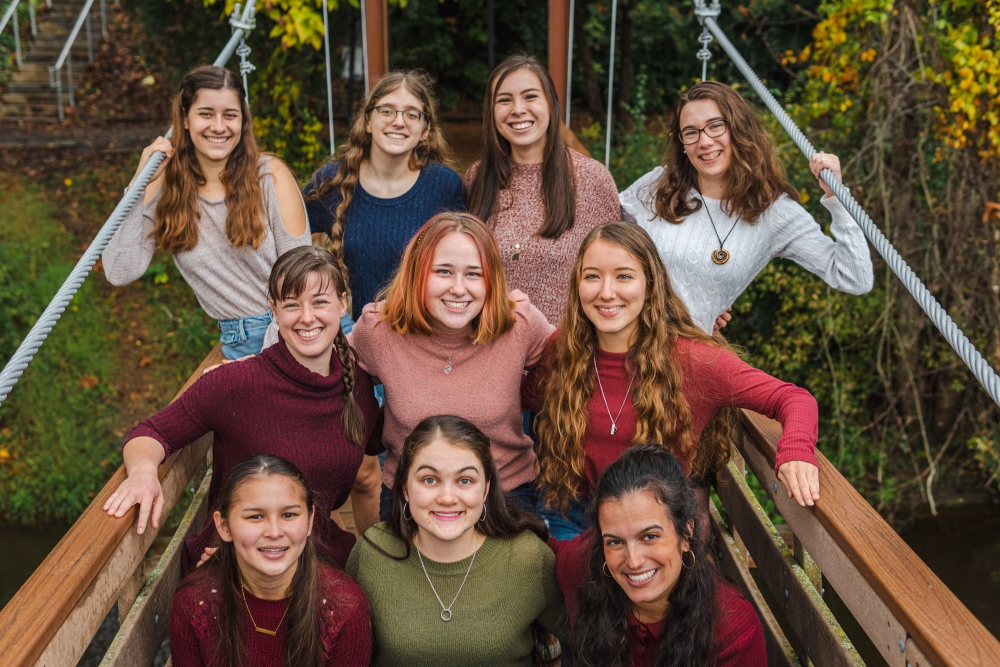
(272, 404)
(739, 636)
(345, 625)
(714, 378)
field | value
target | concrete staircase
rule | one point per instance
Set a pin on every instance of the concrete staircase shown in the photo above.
(29, 97)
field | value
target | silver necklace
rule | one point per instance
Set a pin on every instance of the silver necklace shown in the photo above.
(720, 256)
(447, 369)
(614, 420)
(446, 611)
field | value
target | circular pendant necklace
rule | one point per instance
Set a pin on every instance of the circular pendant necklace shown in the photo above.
(447, 368)
(446, 611)
(720, 256)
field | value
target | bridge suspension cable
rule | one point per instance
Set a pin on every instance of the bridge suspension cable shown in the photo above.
(26, 351)
(979, 366)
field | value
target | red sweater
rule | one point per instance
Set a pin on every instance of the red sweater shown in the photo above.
(714, 378)
(739, 636)
(272, 404)
(345, 625)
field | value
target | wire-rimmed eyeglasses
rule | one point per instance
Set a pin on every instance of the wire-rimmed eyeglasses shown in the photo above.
(389, 114)
(714, 128)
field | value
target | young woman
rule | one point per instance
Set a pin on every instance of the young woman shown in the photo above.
(447, 338)
(386, 181)
(720, 209)
(629, 367)
(539, 197)
(303, 398)
(640, 588)
(266, 598)
(455, 576)
(223, 209)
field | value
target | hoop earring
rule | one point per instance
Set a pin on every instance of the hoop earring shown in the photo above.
(483, 517)
(407, 518)
(606, 571)
(694, 559)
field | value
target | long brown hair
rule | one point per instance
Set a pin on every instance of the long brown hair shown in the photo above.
(302, 639)
(754, 180)
(405, 307)
(493, 175)
(662, 413)
(288, 279)
(177, 212)
(358, 148)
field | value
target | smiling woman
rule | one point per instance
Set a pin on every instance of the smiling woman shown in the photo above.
(224, 211)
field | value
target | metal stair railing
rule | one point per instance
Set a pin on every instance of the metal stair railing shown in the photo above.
(11, 15)
(55, 71)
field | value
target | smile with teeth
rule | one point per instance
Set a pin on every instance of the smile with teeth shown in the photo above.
(642, 577)
(273, 550)
(522, 125)
(217, 140)
(456, 305)
(609, 309)
(395, 135)
(308, 333)
(707, 157)
(447, 516)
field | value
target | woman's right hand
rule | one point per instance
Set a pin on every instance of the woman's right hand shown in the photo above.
(159, 144)
(206, 556)
(142, 488)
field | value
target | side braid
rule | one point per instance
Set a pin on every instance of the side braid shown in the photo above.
(354, 421)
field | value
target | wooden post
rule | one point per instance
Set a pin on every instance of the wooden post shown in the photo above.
(377, 38)
(558, 44)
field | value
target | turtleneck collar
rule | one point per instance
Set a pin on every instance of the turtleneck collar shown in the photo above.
(281, 360)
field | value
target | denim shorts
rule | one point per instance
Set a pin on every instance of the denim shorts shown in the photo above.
(244, 336)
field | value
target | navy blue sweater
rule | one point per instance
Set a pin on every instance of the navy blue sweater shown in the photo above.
(377, 230)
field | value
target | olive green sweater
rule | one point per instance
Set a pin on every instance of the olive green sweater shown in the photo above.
(512, 584)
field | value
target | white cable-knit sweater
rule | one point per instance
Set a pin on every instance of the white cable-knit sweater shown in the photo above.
(785, 229)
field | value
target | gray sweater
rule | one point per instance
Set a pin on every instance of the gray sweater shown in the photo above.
(229, 282)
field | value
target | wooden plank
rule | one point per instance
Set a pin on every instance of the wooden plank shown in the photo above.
(779, 651)
(942, 627)
(880, 624)
(816, 629)
(130, 590)
(79, 576)
(147, 623)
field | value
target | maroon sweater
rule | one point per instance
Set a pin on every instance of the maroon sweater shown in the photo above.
(739, 636)
(714, 378)
(345, 625)
(272, 404)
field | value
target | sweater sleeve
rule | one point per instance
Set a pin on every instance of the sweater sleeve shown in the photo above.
(633, 198)
(185, 651)
(717, 378)
(535, 328)
(348, 629)
(739, 635)
(321, 213)
(362, 339)
(454, 194)
(130, 250)
(600, 187)
(844, 264)
(553, 617)
(534, 380)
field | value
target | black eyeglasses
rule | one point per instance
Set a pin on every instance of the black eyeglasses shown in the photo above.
(389, 114)
(715, 128)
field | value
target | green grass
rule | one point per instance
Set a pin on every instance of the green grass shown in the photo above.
(115, 356)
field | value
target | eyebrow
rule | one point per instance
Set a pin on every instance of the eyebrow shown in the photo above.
(446, 265)
(644, 530)
(526, 90)
(261, 509)
(620, 268)
(707, 122)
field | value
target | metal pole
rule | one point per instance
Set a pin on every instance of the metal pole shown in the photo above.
(569, 59)
(104, 19)
(31, 13)
(611, 84)
(364, 45)
(17, 40)
(69, 79)
(491, 48)
(90, 42)
(329, 74)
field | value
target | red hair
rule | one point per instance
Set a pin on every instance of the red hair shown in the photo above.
(405, 307)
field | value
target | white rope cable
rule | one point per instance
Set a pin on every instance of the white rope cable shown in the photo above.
(569, 59)
(611, 85)
(937, 314)
(39, 332)
(329, 74)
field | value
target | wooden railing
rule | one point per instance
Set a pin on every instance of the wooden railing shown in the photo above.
(907, 612)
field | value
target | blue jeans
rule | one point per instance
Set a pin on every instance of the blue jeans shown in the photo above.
(566, 527)
(347, 323)
(243, 336)
(523, 496)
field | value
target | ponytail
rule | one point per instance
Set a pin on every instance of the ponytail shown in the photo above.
(354, 421)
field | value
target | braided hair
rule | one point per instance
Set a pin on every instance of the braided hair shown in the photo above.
(289, 276)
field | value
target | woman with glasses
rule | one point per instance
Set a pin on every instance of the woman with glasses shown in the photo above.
(384, 182)
(720, 208)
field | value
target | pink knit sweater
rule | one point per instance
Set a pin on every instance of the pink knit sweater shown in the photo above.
(542, 270)
(484, 385)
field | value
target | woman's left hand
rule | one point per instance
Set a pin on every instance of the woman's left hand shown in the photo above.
(821, 161)
(801, 480)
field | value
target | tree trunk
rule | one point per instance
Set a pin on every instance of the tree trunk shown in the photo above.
(593, 92)
(624, 79)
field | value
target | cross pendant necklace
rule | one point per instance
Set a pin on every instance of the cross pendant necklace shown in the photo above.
(614, 420)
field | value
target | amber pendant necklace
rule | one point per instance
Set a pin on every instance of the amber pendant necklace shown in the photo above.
(263, 631)
(720, 256)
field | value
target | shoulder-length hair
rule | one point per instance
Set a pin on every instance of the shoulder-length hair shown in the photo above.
(405, 307)
(754, 180)
(662, 412)
(302, 639)
(288, 279)
(493, 175)
(603, 608)
(177, 212)
(358, 148)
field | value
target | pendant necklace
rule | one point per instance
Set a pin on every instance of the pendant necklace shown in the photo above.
(446, 611)
(614, 420)
(720, 256)
(263, 631)
(447, 369)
